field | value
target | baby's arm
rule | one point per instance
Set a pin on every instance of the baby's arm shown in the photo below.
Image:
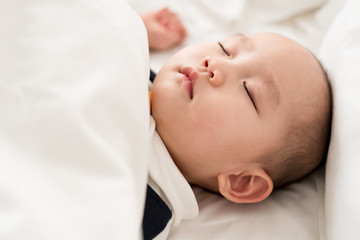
(164, 29)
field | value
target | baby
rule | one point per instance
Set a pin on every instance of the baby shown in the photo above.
(240, 117)
(243, 116)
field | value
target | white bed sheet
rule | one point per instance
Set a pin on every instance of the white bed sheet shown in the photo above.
(340, 52)
(296, 212)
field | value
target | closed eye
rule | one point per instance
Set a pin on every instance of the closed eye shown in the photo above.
(224, 50)
(248, 93)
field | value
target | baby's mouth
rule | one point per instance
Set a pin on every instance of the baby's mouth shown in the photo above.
(190, 75)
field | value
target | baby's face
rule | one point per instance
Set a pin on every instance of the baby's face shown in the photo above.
(218, 106)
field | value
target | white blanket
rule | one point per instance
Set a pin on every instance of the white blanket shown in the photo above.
(73, 109)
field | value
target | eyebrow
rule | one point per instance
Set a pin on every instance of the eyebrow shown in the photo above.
(241, 35)
(273, 89)
(244, 38)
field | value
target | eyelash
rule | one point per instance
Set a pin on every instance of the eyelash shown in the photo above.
(222, 47)
(248, 93)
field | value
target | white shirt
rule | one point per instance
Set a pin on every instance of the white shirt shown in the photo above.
(168, 182)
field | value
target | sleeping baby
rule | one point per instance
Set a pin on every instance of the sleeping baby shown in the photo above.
(241, 117)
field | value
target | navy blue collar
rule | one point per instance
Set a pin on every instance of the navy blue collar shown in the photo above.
(156, 216)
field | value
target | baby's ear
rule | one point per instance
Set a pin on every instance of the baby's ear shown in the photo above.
(245, 187)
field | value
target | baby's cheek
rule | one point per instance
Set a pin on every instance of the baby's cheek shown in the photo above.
(210, 122)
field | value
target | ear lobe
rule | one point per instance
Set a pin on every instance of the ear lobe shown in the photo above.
(247, 187)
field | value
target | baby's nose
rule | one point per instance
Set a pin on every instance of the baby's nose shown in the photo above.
(213, 67)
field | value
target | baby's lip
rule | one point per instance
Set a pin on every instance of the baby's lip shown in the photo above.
(190, 72)
(190, 76)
